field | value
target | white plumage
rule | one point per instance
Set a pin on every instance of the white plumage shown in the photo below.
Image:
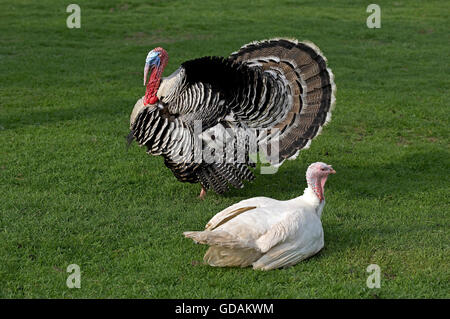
(268, 233)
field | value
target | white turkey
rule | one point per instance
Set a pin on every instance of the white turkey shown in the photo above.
(208, 117)
(268, 233)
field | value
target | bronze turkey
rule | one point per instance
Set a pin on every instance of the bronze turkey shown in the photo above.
(206, 119)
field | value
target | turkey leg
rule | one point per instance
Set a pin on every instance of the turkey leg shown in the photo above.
(202, 193)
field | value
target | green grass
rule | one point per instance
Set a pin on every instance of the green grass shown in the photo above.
(71, 193)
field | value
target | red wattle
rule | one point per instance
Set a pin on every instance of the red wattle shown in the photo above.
(152, 88)
(152, 100)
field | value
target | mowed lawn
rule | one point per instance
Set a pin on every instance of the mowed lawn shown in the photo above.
(70, 192)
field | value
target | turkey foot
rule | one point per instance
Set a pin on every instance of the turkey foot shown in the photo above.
(202, 194)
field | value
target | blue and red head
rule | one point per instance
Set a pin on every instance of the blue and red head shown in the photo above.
(156, 61)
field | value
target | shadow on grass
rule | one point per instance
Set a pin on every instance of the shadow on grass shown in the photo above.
(410, 173)
(406, 174)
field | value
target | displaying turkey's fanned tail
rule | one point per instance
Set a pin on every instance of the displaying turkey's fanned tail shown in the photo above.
(306, 106)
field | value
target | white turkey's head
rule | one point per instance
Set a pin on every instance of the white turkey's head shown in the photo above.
(316, 176)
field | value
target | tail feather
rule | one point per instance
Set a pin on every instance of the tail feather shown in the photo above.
(225, 250)
(303, 68)
(218, 238)
(226, 257)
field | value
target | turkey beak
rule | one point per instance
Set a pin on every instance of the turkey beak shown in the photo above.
(332, 171)
(146, 68)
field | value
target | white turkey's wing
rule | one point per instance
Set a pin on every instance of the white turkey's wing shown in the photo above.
(261, 228)
(284, 256)
(305, 241)
(251, 203)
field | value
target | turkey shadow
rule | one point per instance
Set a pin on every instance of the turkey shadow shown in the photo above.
(413, 172)
(287, 181)
(410, 173)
